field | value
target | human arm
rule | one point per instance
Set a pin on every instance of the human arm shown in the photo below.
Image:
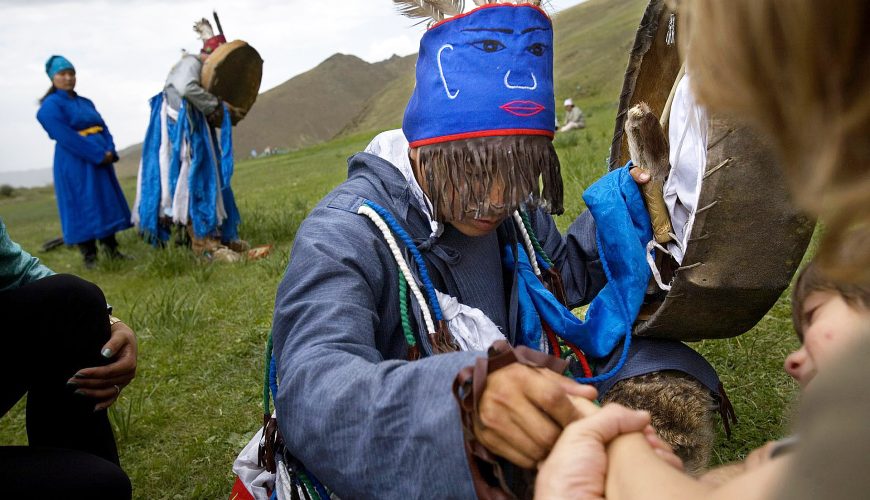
(636, 471)
(104, 383)
(17, 267)
(184, 78)
(350, 406)
(56, 124)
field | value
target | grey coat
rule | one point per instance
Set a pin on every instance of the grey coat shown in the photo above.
(365, 421)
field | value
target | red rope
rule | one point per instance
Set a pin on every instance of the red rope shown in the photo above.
(554, 342)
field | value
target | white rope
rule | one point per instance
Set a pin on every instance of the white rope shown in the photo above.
(403, 266)
(530, 249)
(652, 264)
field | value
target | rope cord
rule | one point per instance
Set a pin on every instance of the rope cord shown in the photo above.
(421, 264)
(403, 310)
(266, 371)
(527, 241)
(537, 244)
(375, 217)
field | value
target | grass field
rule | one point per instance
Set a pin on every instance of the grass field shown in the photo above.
(196, 399)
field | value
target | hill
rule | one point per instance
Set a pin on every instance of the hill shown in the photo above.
(345, 95)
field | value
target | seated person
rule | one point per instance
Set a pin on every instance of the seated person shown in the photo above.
(71, 358)
(829, 318)
(574, 118)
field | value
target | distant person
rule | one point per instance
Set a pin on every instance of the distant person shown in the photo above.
(61, 347)
(90, 201)
(574, 118)
(182, 146)
(253, 153)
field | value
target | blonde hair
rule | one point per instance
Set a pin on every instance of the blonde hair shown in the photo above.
(800, 71)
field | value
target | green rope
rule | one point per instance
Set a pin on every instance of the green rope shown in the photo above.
(535, 242)
(266, 410)
(312, 492)
(403, 309)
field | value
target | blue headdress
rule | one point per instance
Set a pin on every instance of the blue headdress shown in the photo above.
(483, 110)
(56, 64)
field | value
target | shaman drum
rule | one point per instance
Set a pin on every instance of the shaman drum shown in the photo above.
(233, 73)
(746, 238)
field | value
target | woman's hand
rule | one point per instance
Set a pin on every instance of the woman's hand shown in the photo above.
(577, 466)
(108, 158)
(104, 383)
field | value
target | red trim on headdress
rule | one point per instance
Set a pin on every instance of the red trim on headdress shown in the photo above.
(482, 133)
(212, 43)
(489, 6)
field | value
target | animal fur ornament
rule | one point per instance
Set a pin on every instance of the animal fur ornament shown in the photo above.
(483, 109)
(682, 409)
(210, 41)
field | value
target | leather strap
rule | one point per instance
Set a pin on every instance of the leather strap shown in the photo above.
(468, 386)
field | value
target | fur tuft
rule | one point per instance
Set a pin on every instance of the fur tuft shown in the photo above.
(682, 411)
(203, 29)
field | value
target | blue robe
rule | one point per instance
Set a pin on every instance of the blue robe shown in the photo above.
(89, 198)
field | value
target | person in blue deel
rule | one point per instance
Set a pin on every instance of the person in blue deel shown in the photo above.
(90, 201)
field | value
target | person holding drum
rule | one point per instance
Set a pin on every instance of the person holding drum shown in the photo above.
(90, 201)
(183, 148)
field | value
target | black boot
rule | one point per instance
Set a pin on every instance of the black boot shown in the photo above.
(89, 253)
(111, 245)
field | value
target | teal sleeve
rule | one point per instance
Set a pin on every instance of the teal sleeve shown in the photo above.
(17, 267)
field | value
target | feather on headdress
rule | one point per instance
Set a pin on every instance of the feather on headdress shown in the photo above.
(436, 10)
(203, 29)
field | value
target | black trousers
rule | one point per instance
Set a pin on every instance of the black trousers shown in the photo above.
(52, 328)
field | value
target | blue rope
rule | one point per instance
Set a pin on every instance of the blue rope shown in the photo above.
(406, 239)
(273, 378)
(624, 357)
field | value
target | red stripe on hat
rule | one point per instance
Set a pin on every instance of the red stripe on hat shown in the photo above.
(482, 133)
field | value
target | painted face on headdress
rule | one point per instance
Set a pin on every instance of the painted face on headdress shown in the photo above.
(486, 73)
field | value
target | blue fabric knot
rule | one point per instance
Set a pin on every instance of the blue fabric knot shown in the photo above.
(444, 252)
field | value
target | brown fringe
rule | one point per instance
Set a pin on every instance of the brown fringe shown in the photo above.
(461, 175)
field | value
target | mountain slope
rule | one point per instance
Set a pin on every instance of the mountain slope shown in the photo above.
(345, 95)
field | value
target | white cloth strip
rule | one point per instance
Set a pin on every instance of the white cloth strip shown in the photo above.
(527, 240)
(652, 263)
(403, 266)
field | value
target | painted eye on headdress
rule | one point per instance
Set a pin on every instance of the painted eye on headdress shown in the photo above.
(537, 49)
(489, 45)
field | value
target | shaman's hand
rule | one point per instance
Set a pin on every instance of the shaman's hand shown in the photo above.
(523, 410)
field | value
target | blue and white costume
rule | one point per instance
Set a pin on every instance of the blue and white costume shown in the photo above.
(187, 167)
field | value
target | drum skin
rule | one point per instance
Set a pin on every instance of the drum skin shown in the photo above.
(748, 238)
(233, 73)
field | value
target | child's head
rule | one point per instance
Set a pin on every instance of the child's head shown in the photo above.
(827, 316)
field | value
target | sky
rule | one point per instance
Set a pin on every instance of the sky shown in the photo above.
(123, 49)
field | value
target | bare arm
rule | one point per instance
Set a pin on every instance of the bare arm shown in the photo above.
(635, 471)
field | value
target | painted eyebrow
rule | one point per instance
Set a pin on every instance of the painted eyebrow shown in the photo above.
(506, 31)
(529, 30)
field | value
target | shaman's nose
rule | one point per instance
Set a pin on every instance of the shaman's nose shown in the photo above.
(520, 81)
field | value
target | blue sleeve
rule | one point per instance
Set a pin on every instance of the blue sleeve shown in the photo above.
(363, 424)
(575, 255)
(107, 136)
(17, 267)
(50, 116)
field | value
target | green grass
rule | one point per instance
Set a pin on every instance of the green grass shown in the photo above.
(196, 399)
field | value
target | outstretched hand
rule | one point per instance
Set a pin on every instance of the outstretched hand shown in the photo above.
(522, 412)
(104, 383)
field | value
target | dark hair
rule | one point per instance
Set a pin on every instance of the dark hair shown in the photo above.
(525, 168)
(50, 91)
(814, 279)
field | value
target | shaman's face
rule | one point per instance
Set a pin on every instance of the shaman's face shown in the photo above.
(485, 73)
(510, 65)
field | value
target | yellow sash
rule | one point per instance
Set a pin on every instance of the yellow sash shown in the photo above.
(96, 129)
